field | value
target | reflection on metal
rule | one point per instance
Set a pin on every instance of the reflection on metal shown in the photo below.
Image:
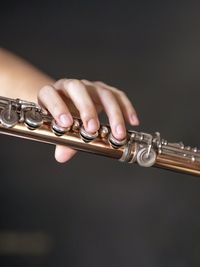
(25, 243)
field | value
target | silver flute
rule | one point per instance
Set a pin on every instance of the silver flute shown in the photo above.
(28, 120)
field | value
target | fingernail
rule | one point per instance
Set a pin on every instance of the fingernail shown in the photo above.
(92, 125)
(134, 119)
(65, 120)
(120, 130)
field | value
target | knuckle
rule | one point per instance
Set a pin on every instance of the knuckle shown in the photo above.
(121, 93)
(88, 112)
(102, 90)
(63, 80)
(44, 91)
(56, 107)
(99, 83)
(107, 93)
(74, 83)
(118, 118)
(86, 81)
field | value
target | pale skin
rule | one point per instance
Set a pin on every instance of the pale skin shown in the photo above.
(65, 98)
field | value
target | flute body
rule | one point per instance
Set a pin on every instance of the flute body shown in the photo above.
(28, 120)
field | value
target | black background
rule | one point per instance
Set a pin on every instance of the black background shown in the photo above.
(96, 211)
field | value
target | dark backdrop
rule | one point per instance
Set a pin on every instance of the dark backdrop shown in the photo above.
(94, 211)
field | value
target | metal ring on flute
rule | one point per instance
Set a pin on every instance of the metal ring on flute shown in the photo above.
(87, 137)
(58, 130)
(115, 142)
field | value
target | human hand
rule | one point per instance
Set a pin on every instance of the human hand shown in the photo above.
(70, 97)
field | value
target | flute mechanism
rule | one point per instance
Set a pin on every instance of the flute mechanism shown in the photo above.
(28, 120)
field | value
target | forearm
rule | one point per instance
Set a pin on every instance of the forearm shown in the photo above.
(18, 78)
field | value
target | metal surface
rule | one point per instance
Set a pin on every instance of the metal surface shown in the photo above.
(27, 120)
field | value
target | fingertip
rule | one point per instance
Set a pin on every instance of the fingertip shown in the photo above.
(63, 154)
(120, 132)
(65, 120)
(134, 120)
(92, 125)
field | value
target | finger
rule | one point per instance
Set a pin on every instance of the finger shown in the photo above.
(113, 111)
(126, 106)
(63, 153)
(77, 92)
(116, 121)
(51, 99)
(91, 87)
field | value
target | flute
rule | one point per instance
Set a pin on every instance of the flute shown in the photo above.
(28, 120)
